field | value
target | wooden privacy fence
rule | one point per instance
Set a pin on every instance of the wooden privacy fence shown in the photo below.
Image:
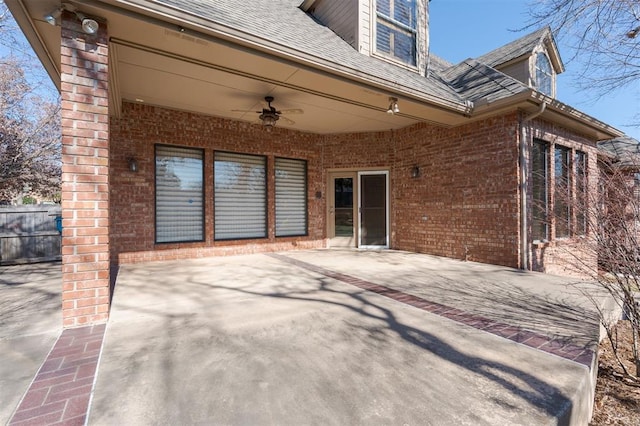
(29, 234)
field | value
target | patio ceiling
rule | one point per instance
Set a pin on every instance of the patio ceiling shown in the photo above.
(160, 62)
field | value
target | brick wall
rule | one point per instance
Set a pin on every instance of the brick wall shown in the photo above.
(132, 197)
(85, 165)
(464, 204)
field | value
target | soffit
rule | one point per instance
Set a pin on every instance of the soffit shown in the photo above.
(157, 64)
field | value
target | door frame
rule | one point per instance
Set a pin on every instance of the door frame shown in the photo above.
(355, 174)
(387, 230)
(331, 222)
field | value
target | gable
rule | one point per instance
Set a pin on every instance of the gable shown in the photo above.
(521, 49)
(533, 60)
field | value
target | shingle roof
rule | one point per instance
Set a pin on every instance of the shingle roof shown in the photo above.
(625, 149)
(474, 80)
(517, 48)
(438, 64)
(284, 23)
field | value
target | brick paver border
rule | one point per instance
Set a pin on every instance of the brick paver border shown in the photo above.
(529, 338)
(60, 392)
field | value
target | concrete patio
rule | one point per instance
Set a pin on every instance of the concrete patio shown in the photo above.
(342, 337)
(30, 323)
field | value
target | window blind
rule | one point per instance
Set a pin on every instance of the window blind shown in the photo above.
(291, 197)
(179, 194)
(240, 196)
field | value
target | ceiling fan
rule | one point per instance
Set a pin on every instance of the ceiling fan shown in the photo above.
(270, 114)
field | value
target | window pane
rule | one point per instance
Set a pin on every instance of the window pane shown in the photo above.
(544, 76)
(581, 193)
(539, 184)
(404, 47)
(240, 193)
(343, 196)
(383, 38)
(179, 194)
(291, 197)
(396, 29)
(373, 209)
(404, 12)
(562, 192)
(383, 7)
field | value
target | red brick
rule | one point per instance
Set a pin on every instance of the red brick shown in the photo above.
(39, 416)
(33, 398)
(76, 407)
(85, 169)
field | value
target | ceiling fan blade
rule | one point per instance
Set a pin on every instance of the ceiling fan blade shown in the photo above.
(291, 111)
(245, 110)
(288, 121)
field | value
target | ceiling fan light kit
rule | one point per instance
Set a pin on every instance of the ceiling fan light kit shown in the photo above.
(269, 115)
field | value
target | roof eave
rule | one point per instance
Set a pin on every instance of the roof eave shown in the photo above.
(554, 54)
(530, 100)
(26, 24)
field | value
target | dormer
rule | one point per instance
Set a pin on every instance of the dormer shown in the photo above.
(533, 59)
(392, 30)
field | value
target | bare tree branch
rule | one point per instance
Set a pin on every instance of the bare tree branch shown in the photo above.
(30, 140)
(613, 223)
(600, 34)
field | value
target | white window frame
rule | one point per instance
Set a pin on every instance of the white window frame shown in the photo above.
(396, 25)
(548, 76)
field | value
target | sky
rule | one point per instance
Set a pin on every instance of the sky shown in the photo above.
(461, 29)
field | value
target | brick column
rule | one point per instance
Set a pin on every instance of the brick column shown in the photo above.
(85, 181)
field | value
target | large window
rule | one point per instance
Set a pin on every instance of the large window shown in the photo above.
(565, 195)
(291, 197)
(179, 194)
(562, 191)
(544, 74)
(540, 189)
(396, 29)
(240, 196)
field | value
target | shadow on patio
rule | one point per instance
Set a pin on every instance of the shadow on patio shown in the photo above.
(253, 339)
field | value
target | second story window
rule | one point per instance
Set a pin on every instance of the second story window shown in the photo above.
(396, 29)
(544, 75)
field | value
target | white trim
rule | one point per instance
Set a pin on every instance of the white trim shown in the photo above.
(389, 57)
(387, 224)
